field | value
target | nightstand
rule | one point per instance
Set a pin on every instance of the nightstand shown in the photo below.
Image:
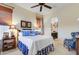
(9, 43)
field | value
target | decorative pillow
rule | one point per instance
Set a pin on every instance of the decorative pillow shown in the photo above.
(73, 34)
(29, 33)
(34, 33)
(26, 33)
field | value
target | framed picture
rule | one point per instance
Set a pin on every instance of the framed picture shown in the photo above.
(25, 24)
(28, 24)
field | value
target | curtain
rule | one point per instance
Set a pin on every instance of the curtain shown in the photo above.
(5, 15)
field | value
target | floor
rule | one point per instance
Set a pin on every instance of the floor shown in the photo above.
(60, 49)
(58, 45)
(12, 52)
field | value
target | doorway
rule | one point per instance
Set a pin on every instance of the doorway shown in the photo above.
(54, 27)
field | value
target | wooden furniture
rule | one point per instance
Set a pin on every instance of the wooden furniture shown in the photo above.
(9, 43)
(77, 46)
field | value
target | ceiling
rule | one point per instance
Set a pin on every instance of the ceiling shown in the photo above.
(56, 7)
(45, 11)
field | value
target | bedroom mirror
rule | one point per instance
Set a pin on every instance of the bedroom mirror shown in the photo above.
(39, 25)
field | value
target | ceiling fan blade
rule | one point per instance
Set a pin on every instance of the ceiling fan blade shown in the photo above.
(47, 6)
(34, 6)
(40, 8)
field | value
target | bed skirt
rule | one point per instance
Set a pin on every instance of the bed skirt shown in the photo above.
(46, 50)
(23, 48)
(43, 51)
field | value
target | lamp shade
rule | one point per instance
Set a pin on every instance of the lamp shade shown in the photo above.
(12, 27)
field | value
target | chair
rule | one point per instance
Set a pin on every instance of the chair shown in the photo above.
(71, 43)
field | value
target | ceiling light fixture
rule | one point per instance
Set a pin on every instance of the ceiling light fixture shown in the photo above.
(77, 19)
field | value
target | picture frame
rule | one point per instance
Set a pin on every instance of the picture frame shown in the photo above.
(25, 24)
(28, 24)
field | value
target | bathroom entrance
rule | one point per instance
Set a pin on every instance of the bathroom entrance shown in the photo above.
(54, 27)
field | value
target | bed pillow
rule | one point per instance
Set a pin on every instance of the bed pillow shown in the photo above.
(26, 33)
(33, 33)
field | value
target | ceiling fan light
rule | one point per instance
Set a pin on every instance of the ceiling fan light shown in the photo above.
(41, 5)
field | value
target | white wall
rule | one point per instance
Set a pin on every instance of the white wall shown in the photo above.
(22, 14)
(47, 25)
(68, 21)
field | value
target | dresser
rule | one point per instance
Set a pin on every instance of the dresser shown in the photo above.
(9, 43)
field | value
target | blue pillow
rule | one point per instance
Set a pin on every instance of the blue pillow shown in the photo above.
(29, 33)
(26, 33)
(33, 33)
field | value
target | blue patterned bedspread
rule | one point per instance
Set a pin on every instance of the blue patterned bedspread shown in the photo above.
(44, 51)
(23, 48)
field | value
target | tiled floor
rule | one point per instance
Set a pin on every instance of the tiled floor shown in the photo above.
(58, 45)
(60, 49)
(12, 52)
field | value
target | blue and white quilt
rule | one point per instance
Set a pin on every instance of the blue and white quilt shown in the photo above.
(32, 44)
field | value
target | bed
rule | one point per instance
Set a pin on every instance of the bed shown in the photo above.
(35, 45)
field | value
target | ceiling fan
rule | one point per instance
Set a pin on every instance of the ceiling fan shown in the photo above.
(41, 6)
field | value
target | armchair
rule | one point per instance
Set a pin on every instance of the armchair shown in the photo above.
(71, 43)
